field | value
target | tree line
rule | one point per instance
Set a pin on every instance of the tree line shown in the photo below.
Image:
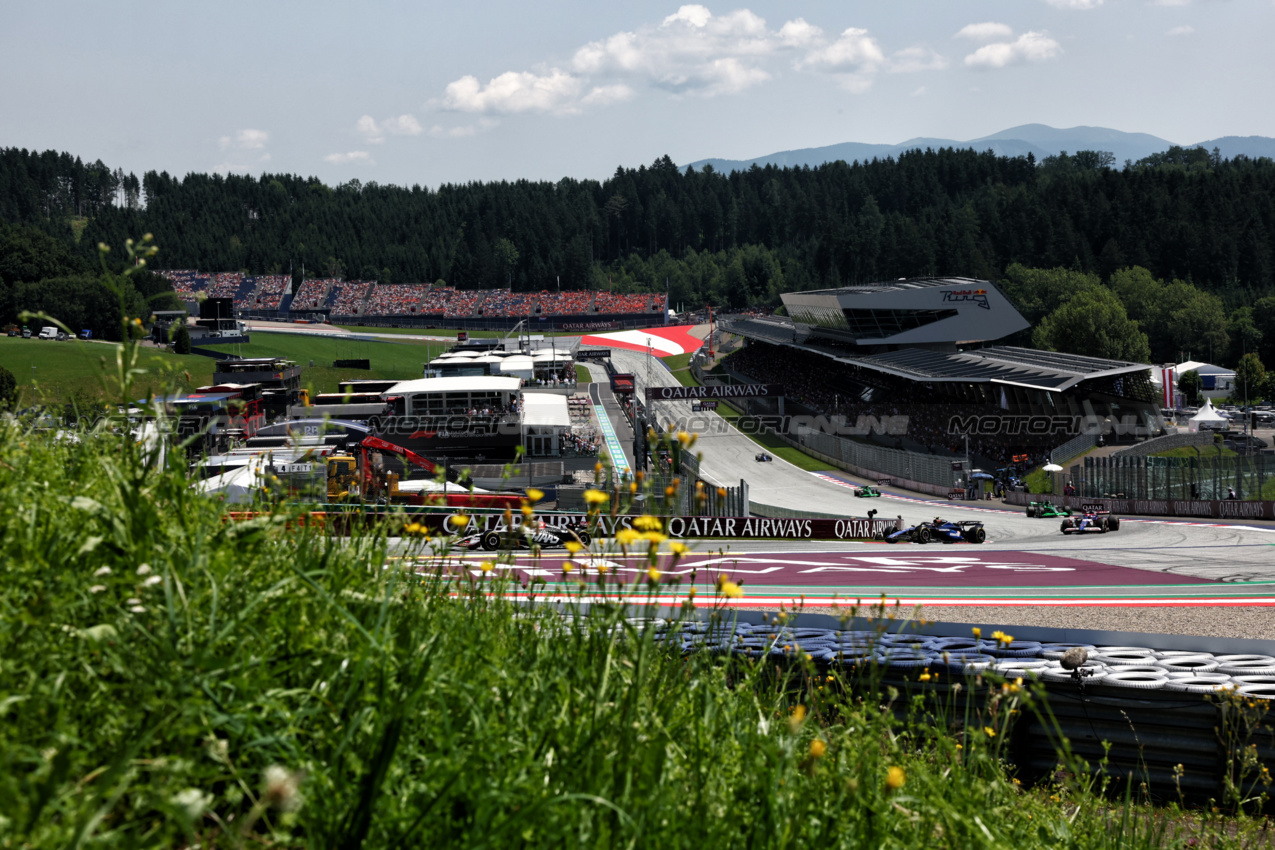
(1199, 228)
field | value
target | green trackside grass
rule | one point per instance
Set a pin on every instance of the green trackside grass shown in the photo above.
(389, 360)
(73, 372)
(583, 376)
(448, 332)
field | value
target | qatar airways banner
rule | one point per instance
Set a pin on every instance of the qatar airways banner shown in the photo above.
(685, 527)
(719, 391)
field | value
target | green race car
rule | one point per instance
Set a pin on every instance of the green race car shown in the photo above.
(866, 490)
(1046, 509)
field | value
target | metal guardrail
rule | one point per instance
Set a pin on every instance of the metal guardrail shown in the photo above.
(1073, 448)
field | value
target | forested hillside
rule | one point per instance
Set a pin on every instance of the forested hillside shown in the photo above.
(733, 240)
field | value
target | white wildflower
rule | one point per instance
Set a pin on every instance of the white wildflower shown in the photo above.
(144, 569)
(102, 571)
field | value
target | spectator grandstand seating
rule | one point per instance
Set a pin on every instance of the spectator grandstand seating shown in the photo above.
(348, 299)
(367, 298)
(187, 283)
(312, 294)
(403, 299)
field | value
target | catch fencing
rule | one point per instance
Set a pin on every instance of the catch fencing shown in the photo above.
(1210, 476)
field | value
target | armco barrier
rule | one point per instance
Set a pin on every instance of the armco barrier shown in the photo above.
(1212, 508)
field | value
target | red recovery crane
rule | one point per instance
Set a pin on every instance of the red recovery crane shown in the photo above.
(455, 500)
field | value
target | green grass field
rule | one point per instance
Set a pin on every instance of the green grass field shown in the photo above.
(83, 372)
(421, 331)
(389, 360)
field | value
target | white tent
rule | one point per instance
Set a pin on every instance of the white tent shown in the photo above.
(1207, 418)
(519, 367)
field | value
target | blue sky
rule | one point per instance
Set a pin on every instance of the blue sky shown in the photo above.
(429, 93)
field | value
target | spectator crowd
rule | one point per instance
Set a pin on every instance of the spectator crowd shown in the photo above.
(368, 298)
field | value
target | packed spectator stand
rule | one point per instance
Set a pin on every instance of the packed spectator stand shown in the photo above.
(368, 298)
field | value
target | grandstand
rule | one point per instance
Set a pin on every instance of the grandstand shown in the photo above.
(919, 347)
(414, 303)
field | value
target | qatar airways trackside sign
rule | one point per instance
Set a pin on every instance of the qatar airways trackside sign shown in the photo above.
(723, 391)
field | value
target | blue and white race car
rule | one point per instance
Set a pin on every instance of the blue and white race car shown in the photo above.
(939, 531)
(1099, 521)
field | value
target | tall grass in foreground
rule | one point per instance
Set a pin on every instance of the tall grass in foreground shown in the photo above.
(168, 679)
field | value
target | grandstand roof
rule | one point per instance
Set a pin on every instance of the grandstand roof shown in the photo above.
(900, 285)
(1025, 367)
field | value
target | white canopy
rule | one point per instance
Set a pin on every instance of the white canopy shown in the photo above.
(1206, 417)
(552, 357)
(547, 410)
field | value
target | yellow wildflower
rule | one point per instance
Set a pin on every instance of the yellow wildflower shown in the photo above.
(528, 510)
(730, 589)
(627, 537)
(595, 497)
(679, 548)
(894, 778)
(535, 495)
(817, 749)
(573, 546)
(653, 574)
(647, 523)
(991, 733)
(654, 537)
(486, 567)
(567, 566)
(978, 633)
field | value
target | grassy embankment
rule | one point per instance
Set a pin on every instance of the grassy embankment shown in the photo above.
(73, 372)
(173, 679)
(680, 366)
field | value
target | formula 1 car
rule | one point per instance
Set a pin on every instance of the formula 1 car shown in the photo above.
(1099, 521)
(525, 536)
(940, 531)
(1047, 510)
(866, 491)
(762, 457)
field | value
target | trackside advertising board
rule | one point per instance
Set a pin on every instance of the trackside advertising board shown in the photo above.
(677, 528)
(718, 391)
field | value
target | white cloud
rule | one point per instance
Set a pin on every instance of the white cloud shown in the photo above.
(352, 156)
(1182, 30)
(463, 131)
(370, 130)
(1029, 47)
(245, 140)
(1074, 4)
(690, 52)
(914, 59)
(986, 31)
(1170, 2)
(515, 91)
(607, 95)
(854, 49)
(374, 133)
(798, 33)
(920, 92)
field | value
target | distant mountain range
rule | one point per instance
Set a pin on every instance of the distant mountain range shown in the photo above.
(1037, 139)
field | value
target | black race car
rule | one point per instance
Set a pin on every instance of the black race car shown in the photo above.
(762, 457)
(526, 536)
(1099, 521)
(939, 531)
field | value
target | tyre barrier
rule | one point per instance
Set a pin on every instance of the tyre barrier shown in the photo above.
(1135, 667)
